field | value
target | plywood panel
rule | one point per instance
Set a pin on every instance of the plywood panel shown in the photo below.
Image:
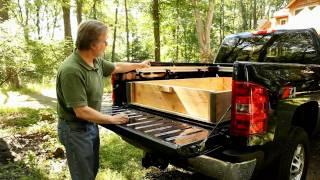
(205, 99)
(210, 84)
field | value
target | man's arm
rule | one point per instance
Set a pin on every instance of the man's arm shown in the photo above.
(89, 114)
(127, 67)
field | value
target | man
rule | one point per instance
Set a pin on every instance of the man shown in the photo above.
(79, 86)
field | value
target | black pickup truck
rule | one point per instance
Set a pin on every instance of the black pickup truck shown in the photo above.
(266, 113)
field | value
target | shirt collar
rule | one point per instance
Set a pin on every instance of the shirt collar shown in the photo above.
(83, 63)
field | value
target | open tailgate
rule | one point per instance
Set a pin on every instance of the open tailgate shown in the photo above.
(166, 134)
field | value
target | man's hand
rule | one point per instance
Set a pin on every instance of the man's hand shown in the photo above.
(145, 64)
(89, 114)
(119, 119)
(127, 67)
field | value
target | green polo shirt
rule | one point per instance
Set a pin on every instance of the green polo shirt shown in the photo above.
(79, 84)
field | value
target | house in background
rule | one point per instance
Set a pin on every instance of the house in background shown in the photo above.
(298, 14)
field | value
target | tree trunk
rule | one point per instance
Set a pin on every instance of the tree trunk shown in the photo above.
(127, 30)
(115, 34)
(26, 23)
(4, 15)
(67, 26)
(12, 77)
(79, 11)
(177, 30)
(38, 6)
(185, 55)
(221, 30)
(262, 10)
(234, 16)
(94, 9)
(203, 31)
(244, 16)
(250, 15)
(54, 21)
(46, 8)
(254, 14)
(23, 21)
(156, 29)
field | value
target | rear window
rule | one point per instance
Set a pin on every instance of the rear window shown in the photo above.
(291, 47)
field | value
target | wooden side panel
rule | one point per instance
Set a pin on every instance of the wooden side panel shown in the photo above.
(190, 97)
(219, 103)
(176, 99)
(210, 84)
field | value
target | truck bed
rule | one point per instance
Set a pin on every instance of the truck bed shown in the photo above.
(164, 133)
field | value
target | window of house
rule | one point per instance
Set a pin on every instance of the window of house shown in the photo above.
(296, 12)
(283, 21)
(311, 7)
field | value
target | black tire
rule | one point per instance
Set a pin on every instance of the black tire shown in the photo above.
(297, 140)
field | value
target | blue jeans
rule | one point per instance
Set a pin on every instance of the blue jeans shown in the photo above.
(81, 141)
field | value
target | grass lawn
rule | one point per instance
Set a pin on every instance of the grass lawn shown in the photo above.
(31, 138)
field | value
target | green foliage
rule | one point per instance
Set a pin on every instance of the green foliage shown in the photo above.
(179, 41)
(24, 117)
(32, 59)
(20, 117)
(45, 57)
(139, 51)
(14, 56)
(19, 170)
(107, 86)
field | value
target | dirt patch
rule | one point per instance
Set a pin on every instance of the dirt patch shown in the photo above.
(174, 173)
(314, 165)
(21, 144)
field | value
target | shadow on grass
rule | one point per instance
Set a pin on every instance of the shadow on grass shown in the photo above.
(5, 93)
(5, 154)
(42, 99)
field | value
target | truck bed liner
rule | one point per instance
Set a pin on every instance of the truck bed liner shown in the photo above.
(171, 136)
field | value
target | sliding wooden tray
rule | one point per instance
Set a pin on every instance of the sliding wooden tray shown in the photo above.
(204, 99)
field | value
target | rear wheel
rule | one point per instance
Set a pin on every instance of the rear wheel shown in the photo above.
(294, 159)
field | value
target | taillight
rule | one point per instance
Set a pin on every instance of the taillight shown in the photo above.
(249, 109)
(113, 80)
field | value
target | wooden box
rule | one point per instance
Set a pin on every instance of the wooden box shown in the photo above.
(204, 99)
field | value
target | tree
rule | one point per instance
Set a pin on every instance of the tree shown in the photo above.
(156, 29)
(221, 29)
(127, 30)
(79, 10)
(38, 7)
(94, 9)
(254, 14)
(4, 15)
(203, 28)
(67, 26)
(11, 74)
(115, 33)
(22, 17)
(244, 16)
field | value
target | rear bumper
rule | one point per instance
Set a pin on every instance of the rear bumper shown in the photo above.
(223, 170)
